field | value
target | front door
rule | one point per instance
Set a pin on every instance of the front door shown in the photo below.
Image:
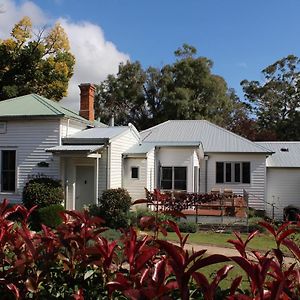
(85, 186)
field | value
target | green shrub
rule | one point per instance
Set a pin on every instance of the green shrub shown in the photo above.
(42, 191)
(253, 224)
(186, 227)
(49, 215)
(113, 207)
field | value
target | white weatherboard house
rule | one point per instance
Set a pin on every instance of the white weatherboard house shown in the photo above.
(283, 177)
(39, 136)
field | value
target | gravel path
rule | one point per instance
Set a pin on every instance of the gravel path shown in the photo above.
(211, 249)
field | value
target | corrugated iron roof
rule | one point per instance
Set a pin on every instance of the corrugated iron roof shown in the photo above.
(75, 148)
(287, 154)
(213, 138)
(33, 105)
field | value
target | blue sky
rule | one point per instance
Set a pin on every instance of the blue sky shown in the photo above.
(241, 37)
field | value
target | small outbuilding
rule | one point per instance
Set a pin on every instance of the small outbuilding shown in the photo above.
(283, 178)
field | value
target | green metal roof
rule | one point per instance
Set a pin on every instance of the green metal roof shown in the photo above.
(33, 105)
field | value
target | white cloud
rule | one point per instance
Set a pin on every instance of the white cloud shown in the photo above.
(95, 56)
(11, 13)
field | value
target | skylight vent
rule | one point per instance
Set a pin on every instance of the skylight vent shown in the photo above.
(284, 149)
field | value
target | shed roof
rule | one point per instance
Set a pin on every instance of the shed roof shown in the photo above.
(213, 138)
(75, 148)
(33, 105)
(287, 154)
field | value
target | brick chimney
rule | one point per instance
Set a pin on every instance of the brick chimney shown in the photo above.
(87, 92)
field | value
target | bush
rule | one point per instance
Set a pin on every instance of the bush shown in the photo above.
(253, 224)
(42, 191)
(113, 207)
(49, 215)
(186, 227)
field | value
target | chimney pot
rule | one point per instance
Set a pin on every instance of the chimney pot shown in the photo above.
(87, 93)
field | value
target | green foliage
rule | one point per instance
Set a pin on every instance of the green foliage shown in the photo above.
(185, 89)
(49, 215)
(35, 63)
(276, 100)
(42, 191)
(113, 208)
(254, 224)
(189, 227)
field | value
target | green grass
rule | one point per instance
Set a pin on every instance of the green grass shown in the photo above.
(262, 242)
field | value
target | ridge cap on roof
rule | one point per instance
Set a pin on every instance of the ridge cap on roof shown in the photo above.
(238, 136)
(158, 125)
(44, 101)
(278, 142)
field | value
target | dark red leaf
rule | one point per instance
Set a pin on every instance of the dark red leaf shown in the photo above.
(175, 252)
(285, 234)
(292, 247)
(159, 272)
(269, 227)
(147, 221)
(234, 285)
(142, 201)
(221, 274)
(202, 281)
(206, 261)
(145, 257)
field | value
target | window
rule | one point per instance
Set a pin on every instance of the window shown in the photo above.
(135, 172)
(173, 178)
(8, 171)
(233, 172)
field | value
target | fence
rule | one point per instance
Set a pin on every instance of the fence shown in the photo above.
(214, 207)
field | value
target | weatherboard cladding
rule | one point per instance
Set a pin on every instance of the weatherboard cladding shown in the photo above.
(30, 138)
(288, 159)
(212, 137)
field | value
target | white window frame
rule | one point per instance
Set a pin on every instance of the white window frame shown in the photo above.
(16, 171)
(233, 163)
(3, 127)
(138, 172)
(173, 177)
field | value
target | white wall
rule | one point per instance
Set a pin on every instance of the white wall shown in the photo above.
(256, 188)
(283, 189)
(135, 186)
(69, 127)
(30, 138)
(151, 170)
(179, 157)
(117, 147)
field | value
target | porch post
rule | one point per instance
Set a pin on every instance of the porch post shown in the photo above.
(97, 179)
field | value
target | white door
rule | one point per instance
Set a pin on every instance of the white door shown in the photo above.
(85, 186)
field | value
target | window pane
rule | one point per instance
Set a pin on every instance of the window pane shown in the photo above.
(220, 172)
(246, 172)
(180, 178)
(135, 172)
(8, 171)
(237, 172)
(228, 172)
(166, 178)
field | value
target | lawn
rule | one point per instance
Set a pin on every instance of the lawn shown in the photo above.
(262, 242)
